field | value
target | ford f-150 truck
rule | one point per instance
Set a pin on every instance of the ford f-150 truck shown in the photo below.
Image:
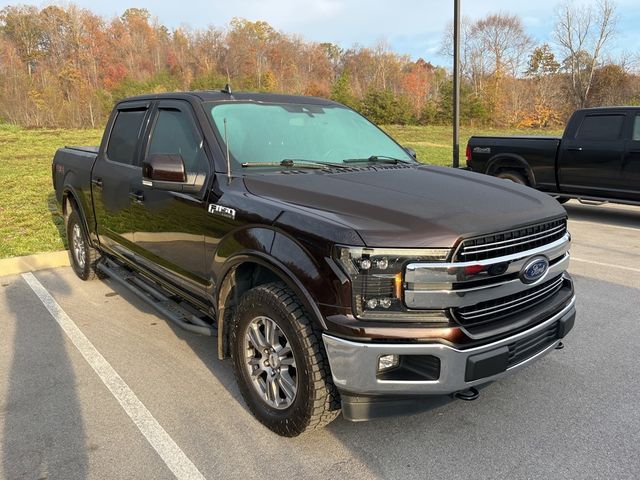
(335, 270)
(597, 158)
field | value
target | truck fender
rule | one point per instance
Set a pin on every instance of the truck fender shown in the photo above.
(69, 192)
(281, 259)
(510, 161)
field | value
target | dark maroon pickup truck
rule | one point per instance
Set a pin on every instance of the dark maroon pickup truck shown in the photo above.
(335, 270)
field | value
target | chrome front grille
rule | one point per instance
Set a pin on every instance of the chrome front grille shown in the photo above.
(499, 308)
(510, 242)
(483, 287)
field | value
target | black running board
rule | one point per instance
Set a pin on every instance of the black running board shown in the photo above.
(591, 200)
(155, 297)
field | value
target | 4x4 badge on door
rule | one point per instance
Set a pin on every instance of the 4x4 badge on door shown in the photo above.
(222, 211)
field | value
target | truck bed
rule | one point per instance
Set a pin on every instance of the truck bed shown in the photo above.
(75, 164)
(87, 149)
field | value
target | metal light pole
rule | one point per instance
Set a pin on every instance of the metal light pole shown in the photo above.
(456, 83)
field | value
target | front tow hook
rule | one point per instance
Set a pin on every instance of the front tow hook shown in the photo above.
(467, 395)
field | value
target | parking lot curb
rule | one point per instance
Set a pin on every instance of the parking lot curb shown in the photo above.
(32, 263)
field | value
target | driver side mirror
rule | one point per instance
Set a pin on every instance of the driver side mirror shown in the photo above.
(165, 171)
(411, 152)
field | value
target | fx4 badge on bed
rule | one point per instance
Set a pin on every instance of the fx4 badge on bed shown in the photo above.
(222, 211)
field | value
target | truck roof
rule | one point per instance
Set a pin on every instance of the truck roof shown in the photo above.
(215, 96)
(612, 109)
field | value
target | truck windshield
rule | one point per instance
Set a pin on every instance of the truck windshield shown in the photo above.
(292, 134)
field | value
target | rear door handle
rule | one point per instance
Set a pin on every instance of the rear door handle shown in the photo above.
(574, 149)
(97, 182)
(136, 197)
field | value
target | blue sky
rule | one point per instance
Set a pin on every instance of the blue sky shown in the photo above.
(414, 27)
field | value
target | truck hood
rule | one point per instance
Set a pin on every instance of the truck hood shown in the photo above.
(400, 206)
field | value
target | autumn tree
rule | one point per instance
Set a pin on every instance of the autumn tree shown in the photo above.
(62, 65)
(493, 51)
(582, 34)
(543, 74)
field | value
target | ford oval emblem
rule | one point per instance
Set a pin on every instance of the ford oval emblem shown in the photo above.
(534, 269)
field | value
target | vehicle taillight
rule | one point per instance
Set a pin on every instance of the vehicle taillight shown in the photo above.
(468, 154)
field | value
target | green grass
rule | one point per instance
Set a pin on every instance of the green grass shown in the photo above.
(29, 217)
(29, 222)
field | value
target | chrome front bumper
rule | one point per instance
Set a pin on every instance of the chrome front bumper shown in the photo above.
(354, 365)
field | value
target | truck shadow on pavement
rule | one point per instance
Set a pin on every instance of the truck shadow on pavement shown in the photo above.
(42, 426)
(56, 217)
(615, 216)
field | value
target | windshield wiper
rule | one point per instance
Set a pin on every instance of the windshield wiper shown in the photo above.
(376, 159)
(297, 162)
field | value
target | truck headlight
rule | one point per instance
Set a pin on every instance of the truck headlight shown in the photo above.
(377, 280)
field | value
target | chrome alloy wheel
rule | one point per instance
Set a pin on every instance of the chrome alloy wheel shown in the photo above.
(270, 363)
(77, 245)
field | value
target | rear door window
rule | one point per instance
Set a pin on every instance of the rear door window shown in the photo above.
(124, 136)
(636, 129)
(600, 127)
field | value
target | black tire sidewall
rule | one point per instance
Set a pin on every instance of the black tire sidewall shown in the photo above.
(513, 176)
(83, 273)
(292, 420)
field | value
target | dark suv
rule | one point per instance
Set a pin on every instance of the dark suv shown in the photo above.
(336, 270)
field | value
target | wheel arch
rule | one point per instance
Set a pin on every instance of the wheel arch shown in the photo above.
(71, 198)
(515, 162)
(247, 270)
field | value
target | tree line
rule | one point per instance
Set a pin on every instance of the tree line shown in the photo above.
(64, 66)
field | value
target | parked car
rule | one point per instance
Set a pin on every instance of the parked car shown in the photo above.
(597, 158)
(334, 269)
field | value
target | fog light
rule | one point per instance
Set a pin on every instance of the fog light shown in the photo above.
(385, 302)
(372, 303)
(382, 263)
(387, 362)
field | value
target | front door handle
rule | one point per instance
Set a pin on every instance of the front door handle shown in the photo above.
(136, 197)
(97, 182)
(574, 149)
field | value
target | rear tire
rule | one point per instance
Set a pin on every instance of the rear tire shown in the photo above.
(513, 176)
(280, 363)
(83, 256)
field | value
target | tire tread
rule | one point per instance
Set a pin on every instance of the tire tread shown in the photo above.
(325, 402)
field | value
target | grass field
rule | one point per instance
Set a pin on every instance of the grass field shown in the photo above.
(29, 219)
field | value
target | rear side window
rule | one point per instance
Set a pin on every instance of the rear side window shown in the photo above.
(636, 129)
(124, 136)
(601, 127)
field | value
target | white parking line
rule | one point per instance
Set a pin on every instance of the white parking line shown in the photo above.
(581, 222)
(159, 439)
(610, 265)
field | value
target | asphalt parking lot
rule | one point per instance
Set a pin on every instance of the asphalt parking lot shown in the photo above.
(574, 414)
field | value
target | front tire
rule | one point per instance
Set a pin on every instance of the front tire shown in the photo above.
(280, 363)
(83, 256)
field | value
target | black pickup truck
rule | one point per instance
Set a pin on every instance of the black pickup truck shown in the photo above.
(333, 268)
(597, 158)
